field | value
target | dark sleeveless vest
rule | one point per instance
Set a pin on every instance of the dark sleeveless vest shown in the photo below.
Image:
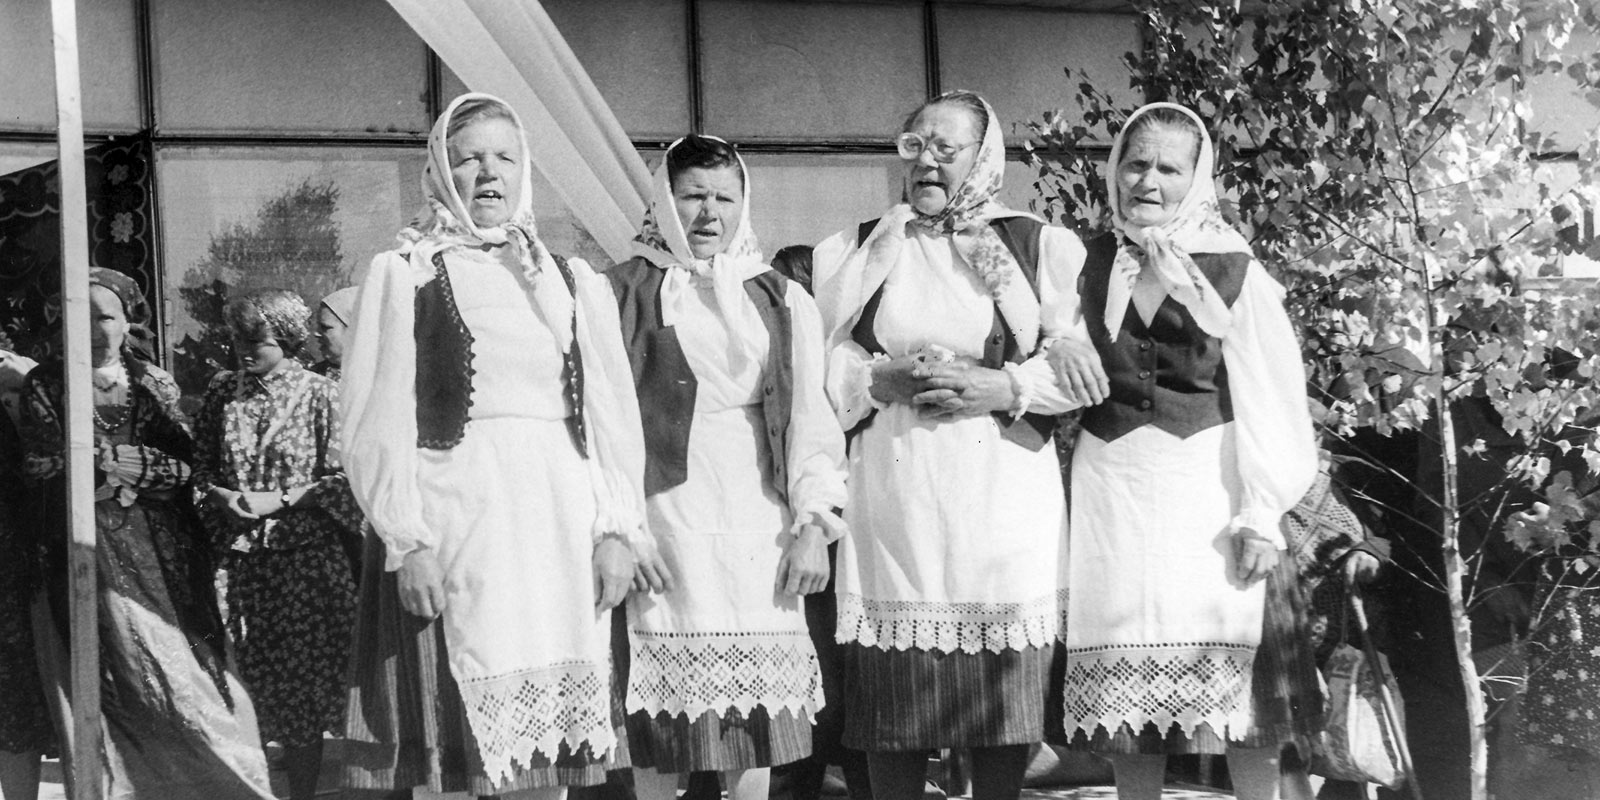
(667, 386)
(1021, 237)
(444, 365)
(1169, 374)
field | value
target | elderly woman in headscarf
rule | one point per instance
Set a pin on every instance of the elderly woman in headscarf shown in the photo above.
(744, 472)
(1179, 479)
(949, 585)
(330, 327)
(492, 438)
(178, 724)
(267, 464)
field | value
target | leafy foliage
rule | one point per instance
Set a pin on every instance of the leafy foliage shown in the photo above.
(1378, 155)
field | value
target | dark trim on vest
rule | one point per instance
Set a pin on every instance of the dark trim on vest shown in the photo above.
(445, 371)
(1021, 236)
(444, 363)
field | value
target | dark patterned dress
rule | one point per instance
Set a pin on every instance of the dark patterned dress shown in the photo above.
(24, 718)
(291, 596)
(1559, 708)
(177, 724)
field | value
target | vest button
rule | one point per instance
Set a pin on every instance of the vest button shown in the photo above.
(997, 339)
(1144, 405)
(1144, 345)
(1144, 374)
(768, 390)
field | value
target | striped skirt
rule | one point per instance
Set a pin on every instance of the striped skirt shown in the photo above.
(405, 723)
(718, 741)
(905, 700)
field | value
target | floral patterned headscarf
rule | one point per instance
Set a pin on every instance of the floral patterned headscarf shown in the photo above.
(1196, 227)
(445, 222)
(966, 219)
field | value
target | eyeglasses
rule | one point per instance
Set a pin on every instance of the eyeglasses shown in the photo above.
(911, 146)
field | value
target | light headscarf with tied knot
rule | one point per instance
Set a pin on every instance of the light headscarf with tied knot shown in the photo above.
(966, 218)
(1196, 226)
(664, 243)
(445, 222)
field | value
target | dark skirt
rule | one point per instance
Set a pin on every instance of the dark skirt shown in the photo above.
(291, 613)
(908, 700)
(24, 715)
(730, 740)
(404, 719)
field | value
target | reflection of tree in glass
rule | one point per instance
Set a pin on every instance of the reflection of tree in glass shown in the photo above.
(293, 243)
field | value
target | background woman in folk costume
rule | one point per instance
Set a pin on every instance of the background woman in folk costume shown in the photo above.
(492, 438)
(277, 503)
(1179, 479)
(950, 582)
(178, 724)
(745, 472)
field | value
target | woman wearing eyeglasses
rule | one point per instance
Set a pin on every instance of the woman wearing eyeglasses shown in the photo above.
(950, 586)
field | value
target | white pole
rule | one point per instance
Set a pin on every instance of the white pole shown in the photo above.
(85, 644)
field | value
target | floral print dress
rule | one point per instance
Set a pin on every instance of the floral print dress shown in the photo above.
(291, 596)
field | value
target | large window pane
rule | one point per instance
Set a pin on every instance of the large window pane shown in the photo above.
(1014, 57)
(810, 70)
(803, 199)
(641, 67)
(107, 42)
(288, 65)
(238, 219)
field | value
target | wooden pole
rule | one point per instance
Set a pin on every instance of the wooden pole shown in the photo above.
(82, 578)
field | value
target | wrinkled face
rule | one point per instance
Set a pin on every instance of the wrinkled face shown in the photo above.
(330, 335)
(710, 203)
(257, 356)
(1155, 173)
(108, 326)
(929, 184)
(486, 167)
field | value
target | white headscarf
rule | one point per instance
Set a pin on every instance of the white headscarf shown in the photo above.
(663, 242)
(966, 219)
(1196, 227)
(445, 223)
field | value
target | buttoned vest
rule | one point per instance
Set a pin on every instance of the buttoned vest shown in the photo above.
(1169, 373)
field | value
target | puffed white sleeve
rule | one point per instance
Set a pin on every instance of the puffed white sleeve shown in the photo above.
(610, 412)
(848, 365)
(1061, 257)
(1276, 448)
(378, 402)
(816, 467)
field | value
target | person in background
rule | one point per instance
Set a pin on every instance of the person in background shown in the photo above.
(330, 327)
(25, 732)
(267, 467)
(744, 472)
(493, 440)
(802, 780)
(950, 586)
(1180, 478)
(178, 724)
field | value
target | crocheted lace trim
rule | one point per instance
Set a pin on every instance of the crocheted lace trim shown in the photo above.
(695, 674)
(1162, 684)
(951, 627)
(514, 716)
